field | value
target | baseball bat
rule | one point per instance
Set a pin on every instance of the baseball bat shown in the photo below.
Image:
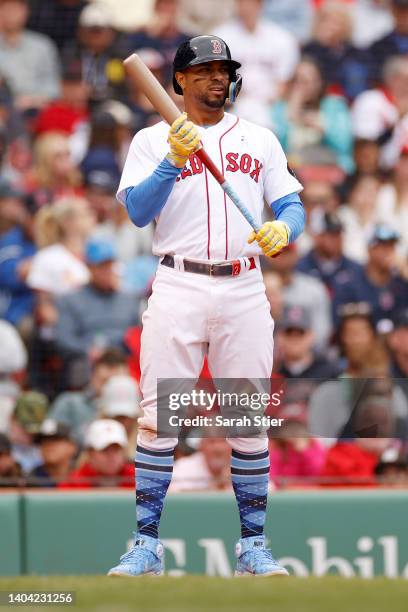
(161, 101)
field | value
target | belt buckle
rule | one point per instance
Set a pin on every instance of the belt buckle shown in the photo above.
(211, 269)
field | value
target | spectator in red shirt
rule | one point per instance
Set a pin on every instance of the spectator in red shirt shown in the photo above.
(105, 464)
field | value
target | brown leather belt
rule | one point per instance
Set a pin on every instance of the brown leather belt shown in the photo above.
(232, 268)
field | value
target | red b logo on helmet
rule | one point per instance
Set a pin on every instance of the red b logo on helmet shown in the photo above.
(217, 46)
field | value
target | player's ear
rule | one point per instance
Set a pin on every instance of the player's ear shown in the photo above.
(181, 79)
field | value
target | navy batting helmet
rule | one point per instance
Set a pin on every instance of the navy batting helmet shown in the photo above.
(203, 49)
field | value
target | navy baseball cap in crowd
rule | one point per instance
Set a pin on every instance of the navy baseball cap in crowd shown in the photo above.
(383, 233)
(52, 429)
(400, 3)
(295, 317)
(99, 252)
(321, 222)
(104, 179)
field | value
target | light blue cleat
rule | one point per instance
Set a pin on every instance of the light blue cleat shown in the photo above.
(256, 560)
(145, 558)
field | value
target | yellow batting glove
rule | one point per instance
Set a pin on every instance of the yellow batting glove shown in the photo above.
(183, 139)
(272, 237)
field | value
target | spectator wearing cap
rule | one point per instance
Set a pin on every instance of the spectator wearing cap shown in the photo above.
(120, 400)
(295, 454)
(295, 341)
(98, 315)
(392, 201)
(57, 451)
(16, 250)
(29, 413)
(77, 409)
(10, 470)
(161, 33)
(28, 60)
(105, 462)
(377, 283)
(57, 19)
(302, 290)
(69, 114)
(99, 49)
(380, 114)
(395, 42)
(326, 260)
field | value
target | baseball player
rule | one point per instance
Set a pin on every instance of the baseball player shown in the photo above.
(208, 294)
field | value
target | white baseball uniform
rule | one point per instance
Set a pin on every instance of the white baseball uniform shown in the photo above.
(190, 315)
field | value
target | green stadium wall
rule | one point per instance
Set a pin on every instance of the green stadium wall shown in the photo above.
(354, 533)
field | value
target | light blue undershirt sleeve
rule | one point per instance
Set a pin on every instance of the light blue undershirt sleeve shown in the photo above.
(145, 200)
(289, 209)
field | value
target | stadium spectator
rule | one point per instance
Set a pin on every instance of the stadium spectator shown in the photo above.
(392, 472)
(57, 19)
(345, 68)
(98, 315)
(77, 409)
(10, 471)
(392, 201)
(393, 43)
(16, 250)
(13, 363)
(25, 423)
(161, 33)
(120, 399)
(69, 114)
(358, 216)
(353, 463)
(377, 283)
(382, 114)
(57, 452)
(268, 55)
(197, 17)
(358, 342)
(206, 470)
(326, 261)
(295, 454)
(311, 119)
(99, 50)
(54, 174)
(295, 341)
(302, 290)
(28, 60)
(105, 462)
(61, 232)
(104, 145)
(100, 189)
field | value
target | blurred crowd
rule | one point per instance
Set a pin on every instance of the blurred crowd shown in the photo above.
(330, 78)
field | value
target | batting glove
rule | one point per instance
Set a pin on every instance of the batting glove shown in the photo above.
(272, 237)
(183, 139)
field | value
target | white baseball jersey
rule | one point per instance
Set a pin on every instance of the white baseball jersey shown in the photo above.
(198, 220)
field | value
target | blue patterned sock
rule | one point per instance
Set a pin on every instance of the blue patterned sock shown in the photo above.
(153, 476)
(250, 477)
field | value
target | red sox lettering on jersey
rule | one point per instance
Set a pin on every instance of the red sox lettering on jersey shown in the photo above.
(198, 220)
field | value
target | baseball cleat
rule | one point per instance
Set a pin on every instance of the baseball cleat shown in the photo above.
(145, 558)
(256, 560)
